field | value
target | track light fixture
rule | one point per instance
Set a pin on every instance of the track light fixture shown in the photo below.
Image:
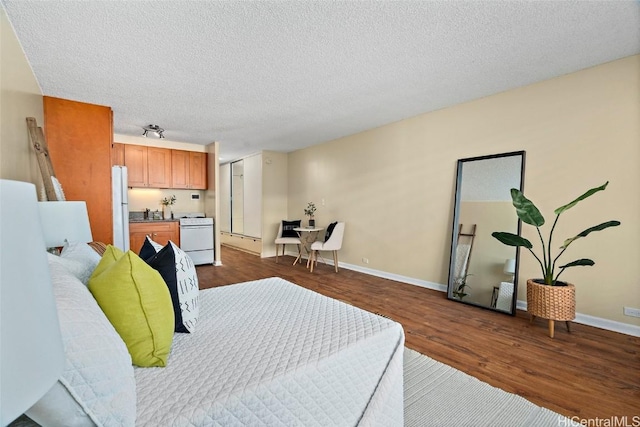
(154, 129)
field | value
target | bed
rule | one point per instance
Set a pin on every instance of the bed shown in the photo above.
(265, 352)
(271, 352)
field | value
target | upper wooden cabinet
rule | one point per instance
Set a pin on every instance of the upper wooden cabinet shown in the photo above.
(188, 170)
(148, 166)
(159, 167)
(117, 154)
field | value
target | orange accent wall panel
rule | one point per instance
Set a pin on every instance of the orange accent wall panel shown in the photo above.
(79, 137)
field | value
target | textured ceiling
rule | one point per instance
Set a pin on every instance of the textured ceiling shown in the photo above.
(281, 75)
(490, 179)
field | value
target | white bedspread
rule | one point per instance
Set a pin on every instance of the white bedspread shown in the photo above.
(269, 352)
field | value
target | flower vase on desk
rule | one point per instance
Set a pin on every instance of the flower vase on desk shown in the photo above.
(312, 222)
(166, 212)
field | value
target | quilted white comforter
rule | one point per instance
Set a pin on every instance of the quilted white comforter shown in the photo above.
(269, 352)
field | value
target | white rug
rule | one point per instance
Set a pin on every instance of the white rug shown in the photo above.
(436, 394)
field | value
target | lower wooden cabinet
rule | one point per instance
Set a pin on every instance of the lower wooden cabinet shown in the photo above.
(159, 231)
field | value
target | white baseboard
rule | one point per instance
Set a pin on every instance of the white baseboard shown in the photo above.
(392, 276)
(585, 319)
(597, 322)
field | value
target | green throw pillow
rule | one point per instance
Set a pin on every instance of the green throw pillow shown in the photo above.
(111, 255)
(136, 300)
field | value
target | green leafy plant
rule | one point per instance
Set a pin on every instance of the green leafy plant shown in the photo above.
(460, 284)
(167, 201)
(310, 210)
(529, 214)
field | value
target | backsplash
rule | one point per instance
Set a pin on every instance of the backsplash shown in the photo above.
(149, 198)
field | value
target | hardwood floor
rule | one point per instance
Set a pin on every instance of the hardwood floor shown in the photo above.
(587, 373)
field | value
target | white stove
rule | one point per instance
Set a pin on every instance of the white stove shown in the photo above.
(186, 222)
(196, 238)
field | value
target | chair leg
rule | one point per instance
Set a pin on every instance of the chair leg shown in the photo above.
(311, 258)
(335, 260)
(277, 249)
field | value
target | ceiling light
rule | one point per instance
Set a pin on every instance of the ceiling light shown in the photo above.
(154, 129)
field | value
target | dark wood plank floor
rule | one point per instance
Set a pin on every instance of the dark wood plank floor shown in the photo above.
(587, 373)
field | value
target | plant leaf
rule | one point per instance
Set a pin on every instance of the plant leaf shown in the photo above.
(579, 262)
(526, 210)
(586, 232)
(584, 196)
(511, 239)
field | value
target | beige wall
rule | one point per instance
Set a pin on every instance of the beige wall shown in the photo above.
(20, 97)
(274, 198)
(394, 185)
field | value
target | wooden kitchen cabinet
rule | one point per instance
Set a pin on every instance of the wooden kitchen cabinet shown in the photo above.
(135, 159)
(188, 170)
(117, 154)
(159, 231)
(148, 167)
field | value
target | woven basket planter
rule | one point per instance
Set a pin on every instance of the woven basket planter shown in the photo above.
(551, 302)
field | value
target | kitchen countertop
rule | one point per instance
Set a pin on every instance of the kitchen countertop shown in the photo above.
(154, 220)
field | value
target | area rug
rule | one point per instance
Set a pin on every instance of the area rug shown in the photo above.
(436, 394)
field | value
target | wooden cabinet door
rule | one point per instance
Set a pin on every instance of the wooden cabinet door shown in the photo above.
(163, 237)
(136, 240)
(135, 159)
(159, 167)
(117, 154)
(179, 169)
(160, 232)
(165, 231)
(197, 170)
(79, 137)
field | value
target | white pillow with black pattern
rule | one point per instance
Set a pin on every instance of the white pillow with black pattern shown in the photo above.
(179, 273)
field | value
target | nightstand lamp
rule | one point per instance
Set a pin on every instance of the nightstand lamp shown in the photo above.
(31, 351)
(510, 268)
(64, 221)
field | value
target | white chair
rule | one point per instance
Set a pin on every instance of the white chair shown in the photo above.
(287, 241)
(334, 244)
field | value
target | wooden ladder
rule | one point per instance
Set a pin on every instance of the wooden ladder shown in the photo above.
(36, 137)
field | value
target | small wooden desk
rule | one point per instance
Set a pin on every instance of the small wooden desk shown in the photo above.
(310, 237)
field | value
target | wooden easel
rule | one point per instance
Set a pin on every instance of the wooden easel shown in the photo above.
(36, 137)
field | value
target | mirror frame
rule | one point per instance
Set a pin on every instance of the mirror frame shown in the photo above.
(454, 231)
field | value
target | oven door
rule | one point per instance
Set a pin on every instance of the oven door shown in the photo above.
(196, 238)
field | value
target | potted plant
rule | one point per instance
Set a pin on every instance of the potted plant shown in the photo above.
(167, 202)
(309, 211)
(548, 297)
(460, 284)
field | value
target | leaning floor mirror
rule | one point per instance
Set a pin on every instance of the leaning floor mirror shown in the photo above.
(482, 271)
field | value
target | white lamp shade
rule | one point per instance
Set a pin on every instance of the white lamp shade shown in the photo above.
(31, 351)
(65, 221)
(510, 266)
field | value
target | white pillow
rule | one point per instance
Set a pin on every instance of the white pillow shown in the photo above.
(81, 270)
(81, 252)
(98, 375)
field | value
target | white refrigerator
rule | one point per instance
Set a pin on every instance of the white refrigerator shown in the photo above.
(119, 182)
